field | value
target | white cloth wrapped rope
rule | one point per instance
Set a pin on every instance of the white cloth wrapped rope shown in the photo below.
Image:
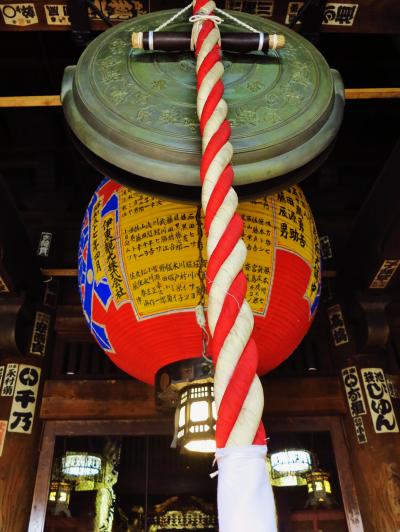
(245, 498)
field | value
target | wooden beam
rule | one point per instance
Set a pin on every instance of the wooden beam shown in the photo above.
(73, 272)
(59, 272)
(109, 399)
(113, 399)
(30, 101)
(369, 94)
(54, 100)
(314, 396)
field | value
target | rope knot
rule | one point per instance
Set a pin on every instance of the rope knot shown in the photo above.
(198, 21)
(200, 17)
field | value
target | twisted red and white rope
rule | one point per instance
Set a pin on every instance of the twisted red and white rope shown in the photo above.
(237, 388)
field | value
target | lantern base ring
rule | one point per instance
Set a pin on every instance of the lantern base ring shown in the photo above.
(171, 379)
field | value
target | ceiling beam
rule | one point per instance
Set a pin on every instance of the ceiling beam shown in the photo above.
(54, 100)
(113, 399)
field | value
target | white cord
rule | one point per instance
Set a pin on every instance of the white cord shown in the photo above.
(236, 20)
(216, 19)
(200, 18)
(227, 293)
(197, 21)
(168, 22)
(200, 316)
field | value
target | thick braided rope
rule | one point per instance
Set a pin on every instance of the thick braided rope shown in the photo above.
(238, 391)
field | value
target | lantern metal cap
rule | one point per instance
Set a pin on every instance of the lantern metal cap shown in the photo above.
(170, 380)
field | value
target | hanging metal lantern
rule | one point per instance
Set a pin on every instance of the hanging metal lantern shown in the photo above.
(196, 417)
(139, 276)
(133, 114)
(188, 386)
(60, 492)
(80, 464)
(291, 461)
(287, 468)
(319, 490)
(283, 480)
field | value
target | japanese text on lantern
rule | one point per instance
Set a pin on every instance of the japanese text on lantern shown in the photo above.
(159, 242)
(114, 273)
(159, 246)
(259, 237)
(95, 241)
(297, 233)
(380, 404)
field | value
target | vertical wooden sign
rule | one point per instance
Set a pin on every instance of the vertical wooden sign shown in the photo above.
(25, 399)
(380, 404)
(40, 333)
(10, 378)
(355, 400)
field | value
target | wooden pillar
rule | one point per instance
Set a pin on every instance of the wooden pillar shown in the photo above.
(370, 277)
(20, 425)
(376, 469)
(373, 444)
(26, 313)
(20, 454)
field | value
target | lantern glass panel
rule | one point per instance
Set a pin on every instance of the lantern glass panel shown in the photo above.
(62, 497)
(182, 413)
(327, 486)
(214, 410)
(293, 461)
(196, 419)
(81, 464)
(288, 480)
(199, 411)
(282, 480)
(59, 492)
(201, 446)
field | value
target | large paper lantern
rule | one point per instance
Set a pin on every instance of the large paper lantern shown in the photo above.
(139, 282)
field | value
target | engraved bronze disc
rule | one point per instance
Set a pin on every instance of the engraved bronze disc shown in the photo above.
(135, 110)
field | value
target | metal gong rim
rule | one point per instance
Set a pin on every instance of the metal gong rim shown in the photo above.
(136, 109)
(192, 194)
